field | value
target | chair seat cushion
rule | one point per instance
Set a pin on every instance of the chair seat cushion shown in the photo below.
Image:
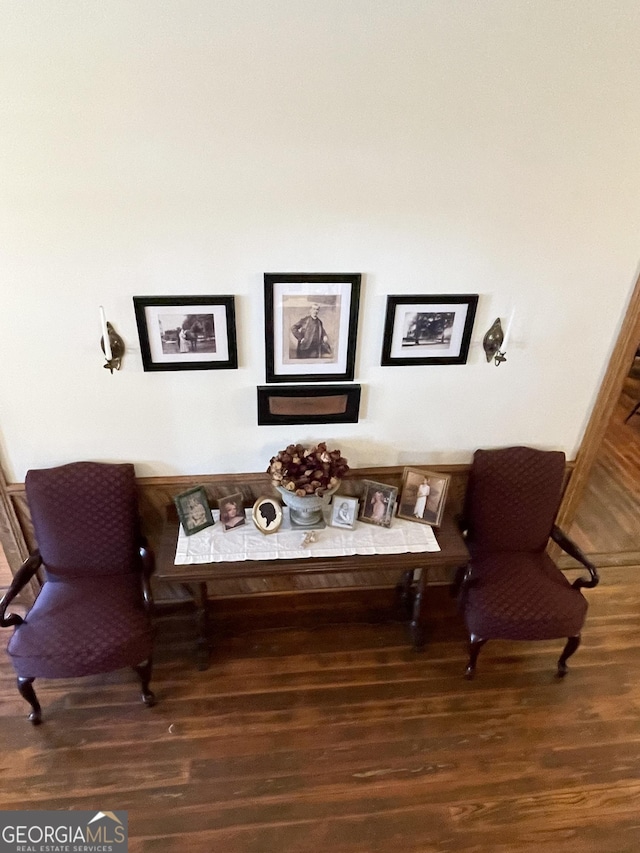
(521, 596)
(82, 627)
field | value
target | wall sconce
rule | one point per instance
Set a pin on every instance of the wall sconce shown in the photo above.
(111, 344)
(495, 341)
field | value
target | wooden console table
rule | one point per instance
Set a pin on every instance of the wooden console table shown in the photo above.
(201, 578)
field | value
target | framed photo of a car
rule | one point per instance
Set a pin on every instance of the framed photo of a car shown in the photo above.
(186, 332)
(428, 329)
(311, 322)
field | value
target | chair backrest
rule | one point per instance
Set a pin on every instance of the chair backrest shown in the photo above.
(513, 498)
(85, 518)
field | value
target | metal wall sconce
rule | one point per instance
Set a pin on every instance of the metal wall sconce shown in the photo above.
(492, 343)
(111, 344)
(495, 341)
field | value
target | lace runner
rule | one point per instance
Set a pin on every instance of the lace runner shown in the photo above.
(214, 545)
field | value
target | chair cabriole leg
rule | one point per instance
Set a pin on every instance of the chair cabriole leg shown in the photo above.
(25, 687)
(144, 674)
(569, 649)
(475, 644)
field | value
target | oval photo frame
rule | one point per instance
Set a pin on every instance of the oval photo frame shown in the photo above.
(267, 514)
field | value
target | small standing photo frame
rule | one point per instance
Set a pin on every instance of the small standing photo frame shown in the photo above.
(193, 509)
(267, 514)
(378, 503)
(344, 511)
(422, 496)
(232, 514)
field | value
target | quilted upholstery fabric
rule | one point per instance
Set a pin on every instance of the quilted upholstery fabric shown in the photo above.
(522, 596)
(513, 498)
(516, 591)
(89, 616)
(82, 627)
(85, 518)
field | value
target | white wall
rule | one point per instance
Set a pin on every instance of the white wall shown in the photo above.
(188, 147)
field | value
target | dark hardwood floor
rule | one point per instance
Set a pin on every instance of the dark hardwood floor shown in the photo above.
(607, 523)
(318, 729)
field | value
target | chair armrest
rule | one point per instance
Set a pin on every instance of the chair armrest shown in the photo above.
(570, 547)
(21, 578)
(148, 567)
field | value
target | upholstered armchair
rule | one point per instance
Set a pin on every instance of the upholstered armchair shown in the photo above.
(92, 612)
(512, 589)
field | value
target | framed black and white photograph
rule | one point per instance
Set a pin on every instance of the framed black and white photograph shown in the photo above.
(232, 514)
(193, 509)
(267, 514)
(378, 503)
(308, 404)
(311, 322)
(422, 496)
(187, 332)
(428, 329)
(344, 511)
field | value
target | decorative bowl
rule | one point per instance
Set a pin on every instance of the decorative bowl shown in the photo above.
(305, 511)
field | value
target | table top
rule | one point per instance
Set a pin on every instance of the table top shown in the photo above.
(453, 553)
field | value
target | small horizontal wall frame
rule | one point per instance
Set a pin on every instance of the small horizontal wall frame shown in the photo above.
(187, 332)
(428, 329)
(308, 404)
(311, 324)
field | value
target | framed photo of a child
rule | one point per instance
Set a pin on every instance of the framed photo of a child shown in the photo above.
(232, 513)
(344, 511)
(193, 509)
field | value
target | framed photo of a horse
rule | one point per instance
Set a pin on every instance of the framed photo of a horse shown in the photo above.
(186, 332)
(422, 330)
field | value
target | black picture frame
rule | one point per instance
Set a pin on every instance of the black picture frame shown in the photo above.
(330, 353)
(308, 404)
(170, 340)
(193, 510)
(428, 329)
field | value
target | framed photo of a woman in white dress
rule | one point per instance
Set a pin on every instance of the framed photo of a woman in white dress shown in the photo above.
(423, 495)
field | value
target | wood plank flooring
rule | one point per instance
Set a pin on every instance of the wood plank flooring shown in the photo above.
(607, 523)
(318, 729)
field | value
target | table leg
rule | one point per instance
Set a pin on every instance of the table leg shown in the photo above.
(203, 649)
(403, 592)
(416, 625)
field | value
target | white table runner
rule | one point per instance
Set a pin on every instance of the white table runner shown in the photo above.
(214, 545)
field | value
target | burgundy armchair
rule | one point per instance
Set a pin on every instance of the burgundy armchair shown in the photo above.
(92, 612)
(512, 589)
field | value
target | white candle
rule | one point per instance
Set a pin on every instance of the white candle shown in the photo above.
(105, 336)
(507, 334)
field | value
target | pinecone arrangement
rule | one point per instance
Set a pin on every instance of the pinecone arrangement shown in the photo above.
(305, 471)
